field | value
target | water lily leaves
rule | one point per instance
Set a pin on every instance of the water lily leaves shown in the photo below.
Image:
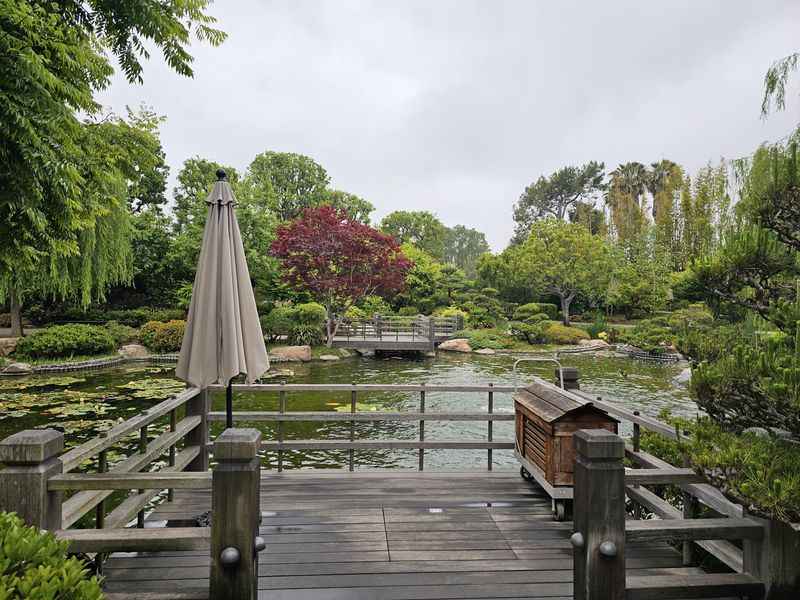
(359, 408)
(152, 389)
(73, 426)
(77, 409)
(37, 382)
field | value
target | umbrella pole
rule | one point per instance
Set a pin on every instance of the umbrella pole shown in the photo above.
(229, 405)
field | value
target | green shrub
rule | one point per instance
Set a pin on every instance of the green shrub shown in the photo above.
(556, 333)
(122, 334)
(375, 305)
(486, 338)
(522, 313)
(66, 340)
(305, 335)
(310, 314)
(5, 319)
(651, 335)
(277, 323)
(355, 313)
(34, 566)
(167, 314)
(163, 337)
(532, 333)
(408, 311)
(598, 326)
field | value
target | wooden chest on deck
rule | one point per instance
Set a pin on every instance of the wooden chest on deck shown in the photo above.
(546, 418)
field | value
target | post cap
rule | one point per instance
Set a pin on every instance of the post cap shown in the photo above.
(32, 446)
(221, 175)
(598, 443)
(568, 372)
(237, 444)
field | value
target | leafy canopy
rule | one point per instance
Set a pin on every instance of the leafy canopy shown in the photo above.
(420, 228)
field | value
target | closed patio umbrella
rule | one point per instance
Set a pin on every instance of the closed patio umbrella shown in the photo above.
(223, 334)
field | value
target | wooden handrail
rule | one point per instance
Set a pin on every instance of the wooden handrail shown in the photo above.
(362, 387)
(73, 458)
(130, 481)
(136, 540)
(387, 445)
(360, 416)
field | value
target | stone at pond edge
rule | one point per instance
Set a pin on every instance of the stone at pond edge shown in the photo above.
(134, 351)
(456, 345)
(8, 345)
(366, 352)
(290, 354)
(18, 368)
(485, 351)
(683, 377)
(599, 344)
(329, 357)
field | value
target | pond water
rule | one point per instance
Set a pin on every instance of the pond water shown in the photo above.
(82, 404)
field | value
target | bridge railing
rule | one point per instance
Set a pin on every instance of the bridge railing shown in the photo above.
(397, 328)
(284, 393)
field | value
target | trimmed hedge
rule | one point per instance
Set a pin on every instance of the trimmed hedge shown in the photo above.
(301, 324)
(34, 566)
(532, 308)
(62, 341)
(163, 337)
(556, 333)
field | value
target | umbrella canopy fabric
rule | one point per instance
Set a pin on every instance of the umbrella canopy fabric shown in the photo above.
(223, 334)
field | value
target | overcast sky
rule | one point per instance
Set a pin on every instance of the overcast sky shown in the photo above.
(456, 106)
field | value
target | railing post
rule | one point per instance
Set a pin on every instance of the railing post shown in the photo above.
(235, 515)
(199, 405)
(773, 558)
(378, 327)
(422, 428)
(490, 428)
(432, 334)
(570, 377)
(599, 509)
(31, 458)
(353, 403)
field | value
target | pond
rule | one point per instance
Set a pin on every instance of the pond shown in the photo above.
(82, 404)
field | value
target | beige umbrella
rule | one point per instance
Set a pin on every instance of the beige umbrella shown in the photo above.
(223, 334)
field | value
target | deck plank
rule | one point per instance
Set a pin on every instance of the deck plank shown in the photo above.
(387, 536)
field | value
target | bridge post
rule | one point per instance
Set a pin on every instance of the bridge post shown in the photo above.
(31, 458)
(432, 334)
(599, 509)
(199, 405)
(379, 327)
(235, 515)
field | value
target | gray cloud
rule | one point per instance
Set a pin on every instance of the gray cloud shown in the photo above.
(455, 106)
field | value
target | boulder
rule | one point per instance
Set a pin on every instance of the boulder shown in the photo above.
(683, 377)
(345, 353)
(456, 345)
(277, 373)
(7, 345)
(430, 355)
(290, 354)
(367, 352)
(18, 368)
(485, 351)
(329, 357)
(134, 351)
(599, 344)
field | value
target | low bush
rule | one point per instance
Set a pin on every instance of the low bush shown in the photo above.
(408, 311)
(599, 325)
(122, 334)
(355, 313)
(163, 337)
(452, 311)
(297, 323)
(132, 317)
(63, 341)
(522, 313)
(277, 323)
(305, 335)
(486, 338)
(375, 305)
(556, 333)
(34, 566)
(651, 335)
(532, 333)
(310, 313)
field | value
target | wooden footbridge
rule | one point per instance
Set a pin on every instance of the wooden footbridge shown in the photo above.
(420, 333)
(398, 535)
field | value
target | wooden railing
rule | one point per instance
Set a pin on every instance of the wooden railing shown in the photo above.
(284, 414)
(400, 328)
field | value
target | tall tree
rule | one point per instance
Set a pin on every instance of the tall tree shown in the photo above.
(625, 191)
(355, 206)
(195, 180)
(338, 260)
(594, 219)
(420, 228)
(664, 184)
(775, 82)
(288, 182)
(555, 195)
(53, 57)
(463, 246)
(566, 260)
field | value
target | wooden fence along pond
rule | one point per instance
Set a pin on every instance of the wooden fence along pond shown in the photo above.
(385, 535)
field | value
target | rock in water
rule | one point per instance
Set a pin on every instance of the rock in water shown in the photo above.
(329, 357)
(8, 345)
(485, 351)
(18, 368)
(290, 354)
(456, 345)
(134, 351)
(683, 377)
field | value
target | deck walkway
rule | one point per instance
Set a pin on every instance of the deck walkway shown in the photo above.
(386, 536)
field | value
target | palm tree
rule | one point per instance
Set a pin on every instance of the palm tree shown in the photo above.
(659, 179)
(627, 186)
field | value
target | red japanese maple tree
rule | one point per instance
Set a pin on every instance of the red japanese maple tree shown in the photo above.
(338, 260)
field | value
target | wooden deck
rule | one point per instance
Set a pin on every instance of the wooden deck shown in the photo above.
(386, 536)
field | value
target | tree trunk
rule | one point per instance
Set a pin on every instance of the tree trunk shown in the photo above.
(565, 302)
(16, 314)
(329, 332)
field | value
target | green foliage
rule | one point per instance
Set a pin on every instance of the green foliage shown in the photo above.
(278, 322)
(522, 313)
(162, 337)
(375, 305)
(451, 311)
(554, 196)
(305, 335)
(640, 284)
(556, 333)
(530, 332)
(598, 326)
(66, 340)
(34, 566)
(419, 228)
(122, 334)
(651, 335)
(356, 207)
(355, 313)
(423, 284)
(486, 338)
(775, 81)
(408, 311)
(462, 248)
(311, 313)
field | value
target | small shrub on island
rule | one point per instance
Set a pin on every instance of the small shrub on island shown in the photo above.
(486, 338)
(63, 341)
(301, 324)
(34, 566)
(556, 333)
(163, 337)
(522, 313)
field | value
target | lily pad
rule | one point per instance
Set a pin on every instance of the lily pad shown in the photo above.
(29, 383)
(152, 388)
